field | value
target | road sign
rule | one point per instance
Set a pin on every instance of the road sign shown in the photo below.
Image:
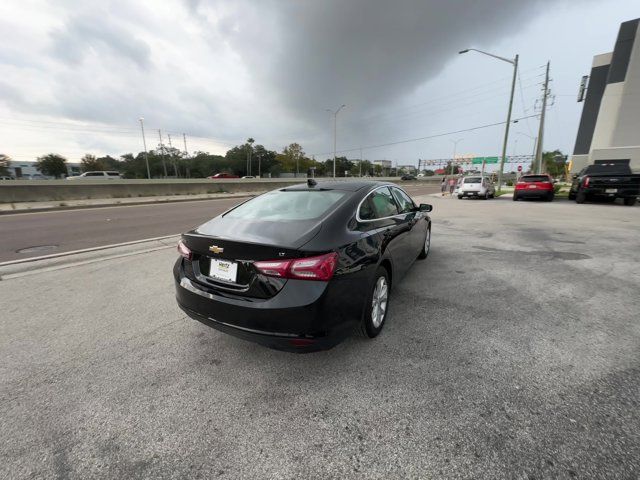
(519, 168)
(481, 160)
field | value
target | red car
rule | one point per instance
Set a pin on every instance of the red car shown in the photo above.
(223, 175)
(534, 186)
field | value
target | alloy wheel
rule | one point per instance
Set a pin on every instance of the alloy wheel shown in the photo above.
(379, 302)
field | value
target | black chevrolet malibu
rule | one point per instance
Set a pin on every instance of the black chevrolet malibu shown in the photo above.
(300, 267)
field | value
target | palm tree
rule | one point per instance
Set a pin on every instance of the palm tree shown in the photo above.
(250, 142)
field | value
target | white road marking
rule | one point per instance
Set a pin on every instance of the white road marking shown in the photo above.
(85, 250)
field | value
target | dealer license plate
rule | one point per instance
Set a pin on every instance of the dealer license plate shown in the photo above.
(223, 270)
(533, 186)
(611, 190)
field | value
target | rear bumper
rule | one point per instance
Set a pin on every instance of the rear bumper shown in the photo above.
(296, 319)
(532, 193)
(619, 193)
(287, 343)
(471, 194)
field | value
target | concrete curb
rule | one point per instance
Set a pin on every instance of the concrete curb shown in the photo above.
(57, 261)
(110, 203)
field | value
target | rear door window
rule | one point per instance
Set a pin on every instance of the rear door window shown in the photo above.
(383, 203)
(404, 201)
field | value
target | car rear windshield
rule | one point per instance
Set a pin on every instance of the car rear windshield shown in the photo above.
(534, 178)
(473, 180)
(287, 205)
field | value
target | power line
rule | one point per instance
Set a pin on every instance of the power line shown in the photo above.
(524, 108)
(441, 103)
(463, 103)
(409, 140)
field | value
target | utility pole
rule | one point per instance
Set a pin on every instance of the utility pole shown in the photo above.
(144, 143)
(506, 127)
(186, 154)
(164, 165)
(175, 164)
(545, 94)
(455, 147)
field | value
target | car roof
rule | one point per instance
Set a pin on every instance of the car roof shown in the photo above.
(346, 185)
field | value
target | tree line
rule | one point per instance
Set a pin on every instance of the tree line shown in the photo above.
(246, 159)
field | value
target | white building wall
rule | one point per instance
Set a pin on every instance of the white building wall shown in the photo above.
(627, 131)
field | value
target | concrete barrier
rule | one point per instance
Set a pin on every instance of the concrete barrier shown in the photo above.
(12, 191)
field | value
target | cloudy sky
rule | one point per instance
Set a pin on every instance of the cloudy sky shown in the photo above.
(77, 76)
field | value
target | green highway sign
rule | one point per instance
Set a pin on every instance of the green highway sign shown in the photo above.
(480, 160)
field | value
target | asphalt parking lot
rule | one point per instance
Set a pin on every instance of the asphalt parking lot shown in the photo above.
(512, 352)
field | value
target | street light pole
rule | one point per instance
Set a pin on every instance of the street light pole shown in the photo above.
(335, 135)
(144, 143)
(513, 62)
(455, 146)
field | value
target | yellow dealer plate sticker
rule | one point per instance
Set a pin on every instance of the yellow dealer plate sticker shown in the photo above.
(223, 270)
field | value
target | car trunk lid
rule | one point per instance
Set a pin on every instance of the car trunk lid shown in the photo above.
(226, 265)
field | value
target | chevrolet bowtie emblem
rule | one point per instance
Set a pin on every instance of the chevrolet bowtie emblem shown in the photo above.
(216, 249)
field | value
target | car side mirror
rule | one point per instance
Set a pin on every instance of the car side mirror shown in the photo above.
(425, 207)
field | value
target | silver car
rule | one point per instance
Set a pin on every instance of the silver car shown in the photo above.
(477, 187)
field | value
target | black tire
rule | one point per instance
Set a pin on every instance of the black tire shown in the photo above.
(549, 198)
(572, 196)
(459, 197)
(426, 246)
(581, 197)
(630, 201)
(486, 196)
(515, 198)
(367, 327)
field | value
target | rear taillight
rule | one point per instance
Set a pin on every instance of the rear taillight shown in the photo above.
(183, 250)
(310, 268)
(585, 182)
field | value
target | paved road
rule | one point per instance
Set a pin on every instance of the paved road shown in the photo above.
(511, 352)
(67, 230)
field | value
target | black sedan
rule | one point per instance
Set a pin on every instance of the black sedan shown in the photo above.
(298, 268)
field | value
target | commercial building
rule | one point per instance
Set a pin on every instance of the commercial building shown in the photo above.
(610, 123)
(27, 170)
(383, 163)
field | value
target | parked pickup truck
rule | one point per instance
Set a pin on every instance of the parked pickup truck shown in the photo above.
(606, 179)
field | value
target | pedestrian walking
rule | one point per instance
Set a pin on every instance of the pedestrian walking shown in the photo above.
(452, 185)
(443, 186)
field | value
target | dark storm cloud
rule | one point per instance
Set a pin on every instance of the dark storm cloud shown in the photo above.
(367, 53)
